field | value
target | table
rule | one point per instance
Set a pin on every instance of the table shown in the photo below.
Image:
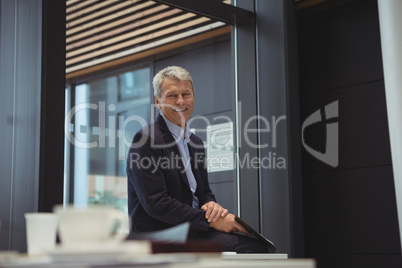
(171, 260)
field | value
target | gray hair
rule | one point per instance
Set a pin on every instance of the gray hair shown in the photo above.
(173, 72)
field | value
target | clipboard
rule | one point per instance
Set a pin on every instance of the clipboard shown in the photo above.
(253, 233)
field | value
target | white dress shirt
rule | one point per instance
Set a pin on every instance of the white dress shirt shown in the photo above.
(182, 137)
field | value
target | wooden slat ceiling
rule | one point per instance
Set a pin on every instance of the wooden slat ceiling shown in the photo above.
(101, 31)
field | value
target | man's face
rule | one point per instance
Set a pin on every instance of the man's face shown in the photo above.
(177, 101)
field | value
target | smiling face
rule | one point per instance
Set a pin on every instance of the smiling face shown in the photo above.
(177, 101)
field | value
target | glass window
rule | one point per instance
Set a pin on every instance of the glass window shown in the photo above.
(134, 84)
(105, 114)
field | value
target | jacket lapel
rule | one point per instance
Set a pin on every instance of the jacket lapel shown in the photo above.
(172, 148)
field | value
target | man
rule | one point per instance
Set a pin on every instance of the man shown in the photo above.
(167, 178)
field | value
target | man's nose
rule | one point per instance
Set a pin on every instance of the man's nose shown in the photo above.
(180, 100)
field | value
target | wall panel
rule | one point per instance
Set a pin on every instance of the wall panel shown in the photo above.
(345, 50)
(349, 211)
(20, 90)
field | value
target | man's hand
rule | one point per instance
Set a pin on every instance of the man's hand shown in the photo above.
(213, 211)
(228, 224)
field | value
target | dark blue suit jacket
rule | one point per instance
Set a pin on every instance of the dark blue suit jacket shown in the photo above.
(159, 195)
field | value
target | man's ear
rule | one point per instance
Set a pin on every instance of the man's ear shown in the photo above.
(157, 103)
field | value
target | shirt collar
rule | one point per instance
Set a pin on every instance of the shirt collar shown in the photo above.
(177, 131)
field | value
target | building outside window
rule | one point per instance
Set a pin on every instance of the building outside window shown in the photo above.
(108, 111)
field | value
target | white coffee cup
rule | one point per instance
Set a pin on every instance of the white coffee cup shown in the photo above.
(91, 226)
(41, 232)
